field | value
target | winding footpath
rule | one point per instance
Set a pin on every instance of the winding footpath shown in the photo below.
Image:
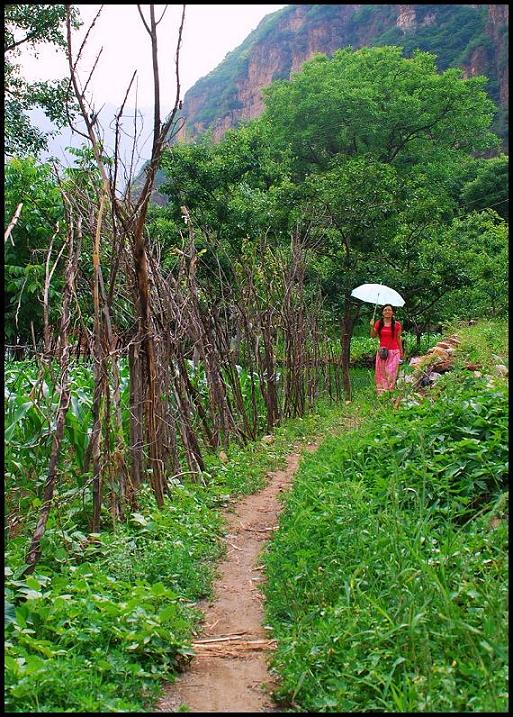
(229, 670)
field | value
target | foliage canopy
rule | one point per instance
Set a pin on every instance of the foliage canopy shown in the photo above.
(31, 25)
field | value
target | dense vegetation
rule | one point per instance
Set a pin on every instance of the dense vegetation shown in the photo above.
(107, 616)
(419, 624)
(143, 343)
(360, 151)
(451, 34)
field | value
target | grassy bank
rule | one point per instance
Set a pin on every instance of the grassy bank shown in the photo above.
(387, 580)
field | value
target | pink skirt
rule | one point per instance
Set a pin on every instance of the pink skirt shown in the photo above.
(386, 371)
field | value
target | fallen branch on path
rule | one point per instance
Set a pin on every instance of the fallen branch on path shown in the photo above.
(261, 530)
(231, 648)
(232, 545)
(220, 638)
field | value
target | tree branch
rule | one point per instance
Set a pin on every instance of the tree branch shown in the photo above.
(12, 223)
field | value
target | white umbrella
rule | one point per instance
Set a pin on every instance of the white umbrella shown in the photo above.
(377, 294)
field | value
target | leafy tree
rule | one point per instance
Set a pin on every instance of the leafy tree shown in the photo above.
(376, 139)
(374, 149)
(481, 239)
(41, 217)
(234, 190)
(28, 27)
(375, 102)
(35, 185)
(489, 188)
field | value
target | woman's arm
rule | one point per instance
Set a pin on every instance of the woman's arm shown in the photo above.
(400, 341)
(373, 331)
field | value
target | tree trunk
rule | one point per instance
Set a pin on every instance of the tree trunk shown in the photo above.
(136, 418)
(346, 334)
(148, 363)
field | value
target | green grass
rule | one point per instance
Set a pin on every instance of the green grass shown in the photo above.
(485, 343)
(387, 580)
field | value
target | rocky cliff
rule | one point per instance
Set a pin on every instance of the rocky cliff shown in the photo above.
(474, 37)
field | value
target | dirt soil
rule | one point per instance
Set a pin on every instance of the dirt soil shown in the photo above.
(229, 671)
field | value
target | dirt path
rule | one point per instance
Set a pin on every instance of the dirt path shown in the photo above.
(229, 672)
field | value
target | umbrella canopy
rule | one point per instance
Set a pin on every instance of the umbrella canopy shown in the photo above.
(378, 294)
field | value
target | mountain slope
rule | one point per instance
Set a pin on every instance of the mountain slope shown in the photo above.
(473, 37)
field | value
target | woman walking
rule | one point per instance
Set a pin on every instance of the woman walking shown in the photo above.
(390, 350)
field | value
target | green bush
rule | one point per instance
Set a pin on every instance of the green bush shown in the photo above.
(106, 629)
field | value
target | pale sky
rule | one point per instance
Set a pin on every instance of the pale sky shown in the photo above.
(210, 32)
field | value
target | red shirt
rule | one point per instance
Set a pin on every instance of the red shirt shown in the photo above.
(386, 339)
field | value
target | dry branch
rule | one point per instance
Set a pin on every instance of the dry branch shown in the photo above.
(48, 278)
(232, 647)
(12, 223)
(34, 551)
(220, 638)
